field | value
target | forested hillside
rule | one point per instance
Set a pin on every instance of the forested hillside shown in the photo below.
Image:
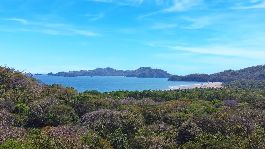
(143, 72)
(250, 73)
(34, 116)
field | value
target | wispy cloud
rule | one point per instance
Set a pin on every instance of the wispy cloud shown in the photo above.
(95, 17)
(19, 20)
(253, 4)
(188, 23)
(51, 28)
(120, 2)
(158, 26)
(199, 22)
(182, 5)
(172, 6)
(220, 50)
(82, 32)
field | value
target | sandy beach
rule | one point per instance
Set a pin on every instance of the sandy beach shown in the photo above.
(199, 85)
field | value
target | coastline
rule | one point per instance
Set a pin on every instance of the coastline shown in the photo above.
(199, 85)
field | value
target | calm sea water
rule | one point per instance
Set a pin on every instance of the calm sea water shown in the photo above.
(106, 84)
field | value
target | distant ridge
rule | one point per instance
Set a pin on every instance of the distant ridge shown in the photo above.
(142, 72)
(249, 73)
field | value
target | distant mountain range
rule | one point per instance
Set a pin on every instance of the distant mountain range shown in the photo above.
(250, 73)
(143, 72)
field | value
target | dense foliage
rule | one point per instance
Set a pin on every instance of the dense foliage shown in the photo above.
(250, 73)
(143, 72)
(34, 116)
(247, 84)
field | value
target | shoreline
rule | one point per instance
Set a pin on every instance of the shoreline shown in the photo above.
(215, 85)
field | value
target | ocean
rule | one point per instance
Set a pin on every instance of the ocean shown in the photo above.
(111, 83)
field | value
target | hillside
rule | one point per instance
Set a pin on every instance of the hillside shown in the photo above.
(34, 116)
(143, 72)
(250, 73)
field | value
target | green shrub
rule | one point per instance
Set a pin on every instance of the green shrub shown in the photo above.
(187, 132)
(93, 141)
(37, 140)
(22, 109)
(6, 118)
(61, 115)
(107, 121)
(38, 116)
(152, 114)
(154, 136)
(216, 141)
(86, 103)
(119, 140)
(7, 104)
(12, 144)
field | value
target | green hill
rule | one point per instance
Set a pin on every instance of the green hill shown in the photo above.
(250, 73)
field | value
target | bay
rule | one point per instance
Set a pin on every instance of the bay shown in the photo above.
(111, 83)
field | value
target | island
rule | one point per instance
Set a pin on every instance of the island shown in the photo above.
(142, 72)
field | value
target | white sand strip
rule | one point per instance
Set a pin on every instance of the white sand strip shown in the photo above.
(201, 85)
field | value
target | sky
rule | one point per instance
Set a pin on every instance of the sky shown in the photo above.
(179, 36)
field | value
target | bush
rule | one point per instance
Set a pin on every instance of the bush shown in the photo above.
(22, 113)
(176, 118)
(216, 141)
(7, 105)
(152, 114)
(56, 91)
(93, 141)
(12, 144)
(21, 109)
(154, 136)
(107, 121)
(61, 115)
(187, 132)
(9, 132)
(119, 140)
(6, 118)
(230, 103)
(38, 140)
(69, 136)
(86, 103)
(39, 110)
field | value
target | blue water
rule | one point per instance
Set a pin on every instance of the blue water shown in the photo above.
(106, 84)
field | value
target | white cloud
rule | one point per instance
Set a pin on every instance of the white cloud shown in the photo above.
(221, 50)
(82, 32)
(95, 17)
(51, 28)
(182, 5)
(120, 2)
(171, 6)
(19, 20)
(254, 4)
(159, 26)
(199, 22)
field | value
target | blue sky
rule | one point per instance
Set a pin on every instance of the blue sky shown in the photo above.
(180, 36)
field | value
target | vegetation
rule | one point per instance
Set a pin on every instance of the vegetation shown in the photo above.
(143, 72)
(36, 116)
(250, 73)
(247, 84)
